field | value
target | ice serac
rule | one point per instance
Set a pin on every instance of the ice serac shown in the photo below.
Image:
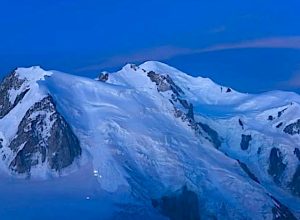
(35, 137)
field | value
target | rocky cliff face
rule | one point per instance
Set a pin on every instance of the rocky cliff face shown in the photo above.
(293, 128)
(43, 138)
(183, 108)
(9, 84)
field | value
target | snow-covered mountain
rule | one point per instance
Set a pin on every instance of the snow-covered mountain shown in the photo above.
(181, 147)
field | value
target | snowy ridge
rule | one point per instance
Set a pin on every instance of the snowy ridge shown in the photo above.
(151, 131)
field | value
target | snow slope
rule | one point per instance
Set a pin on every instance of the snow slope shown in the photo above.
(137, 144)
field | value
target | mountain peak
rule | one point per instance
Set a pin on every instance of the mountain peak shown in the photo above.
(158, 134)
(33, 73)
(160, 67)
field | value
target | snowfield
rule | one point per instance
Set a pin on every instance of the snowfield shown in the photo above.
(153, 137)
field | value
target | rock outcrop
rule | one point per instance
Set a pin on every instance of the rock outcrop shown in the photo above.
(183, 108)
(245, 141)
(43, 137)
(276, 165)
(293, 128)
(183, 204)
(9, 84)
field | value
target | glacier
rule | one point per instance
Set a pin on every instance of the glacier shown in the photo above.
(155, 143)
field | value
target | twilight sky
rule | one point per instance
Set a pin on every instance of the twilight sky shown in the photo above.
(252, 46)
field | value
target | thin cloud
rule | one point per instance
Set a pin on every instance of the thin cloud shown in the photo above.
(275, 42)
(167, 52)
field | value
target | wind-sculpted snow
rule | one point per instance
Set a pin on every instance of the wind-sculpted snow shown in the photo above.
(177, 146)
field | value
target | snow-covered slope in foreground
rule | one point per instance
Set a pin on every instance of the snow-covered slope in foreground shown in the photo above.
(166, 144)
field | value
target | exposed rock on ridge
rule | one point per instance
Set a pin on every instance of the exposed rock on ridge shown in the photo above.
(43, 136)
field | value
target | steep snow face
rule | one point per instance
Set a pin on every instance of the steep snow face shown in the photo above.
(130, 127)
(166, 139)
(260, 131)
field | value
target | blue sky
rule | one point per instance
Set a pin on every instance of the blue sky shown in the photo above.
(252, 46)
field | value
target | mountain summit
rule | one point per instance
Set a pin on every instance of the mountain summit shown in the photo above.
(180, 147)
